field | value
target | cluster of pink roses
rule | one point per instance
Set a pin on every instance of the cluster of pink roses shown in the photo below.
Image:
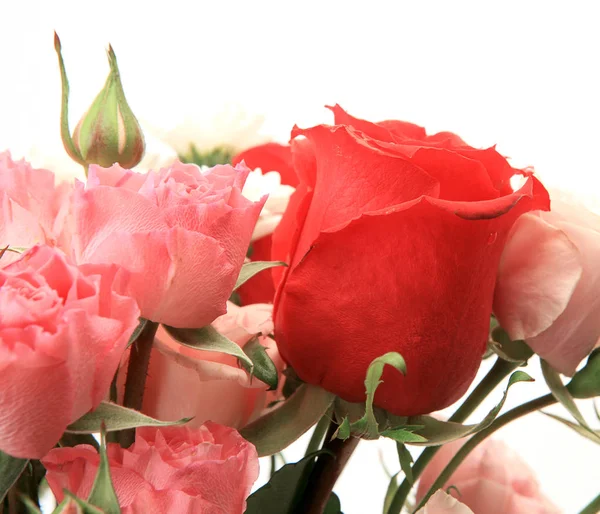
(167, 246)
(396, 241)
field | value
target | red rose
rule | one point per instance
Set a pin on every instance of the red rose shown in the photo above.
(267, 157)
(393, 239)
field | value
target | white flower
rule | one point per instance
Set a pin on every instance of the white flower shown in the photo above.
(259, 184)
(228, 125)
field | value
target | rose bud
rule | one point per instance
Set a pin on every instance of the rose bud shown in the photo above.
(492, 479)
(108, 132)
(548, 282)
(217, 389)
(393, 239)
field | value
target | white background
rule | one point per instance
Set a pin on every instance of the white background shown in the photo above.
(521, 74)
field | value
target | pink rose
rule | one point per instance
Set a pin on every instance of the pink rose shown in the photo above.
(33, 209)
(443, 503)
(209, 470)
(184, 382)
(183, 234)
(63, 330)
(547, 291)
(491, 480)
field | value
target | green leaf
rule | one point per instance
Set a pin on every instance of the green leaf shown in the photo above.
(437, 432)
(280, 427)
(333, 505)
(210, 158)
(137, 332)
(390, 493)
(103, 493)
(561, 393)
(10, 470)
(512, 351)
(367, 426)
(264, 369)
(30, 505)
(116, 417)
(249, 269)
(406, 461)
(210, 340)
(403, 435)
(586, 382)
(285, 490)
(577, 428)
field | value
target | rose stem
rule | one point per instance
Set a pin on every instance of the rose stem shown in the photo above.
(139, 358)
(593, 507)
(326, 471)
(507, 417)
(500, 370)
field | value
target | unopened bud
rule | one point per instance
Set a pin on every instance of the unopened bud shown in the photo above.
(108, 132)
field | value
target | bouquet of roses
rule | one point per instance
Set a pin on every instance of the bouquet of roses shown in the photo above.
(161, 330)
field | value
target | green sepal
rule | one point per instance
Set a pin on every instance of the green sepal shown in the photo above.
(65, 133)
(66, 505)
(263, 367)
(210, 340)
(563, 396)
(84, 506)
(512, 351)
(103, 492)
(591, 434)
(291, 383)
(143, 323)
(249, 269)
(343, 430)
(586, 382)
(367, 426)
(116, 417)
(404, 435)
(10, 471)
(406, 461)
(437, 432)
(390, 493)
(279, 428)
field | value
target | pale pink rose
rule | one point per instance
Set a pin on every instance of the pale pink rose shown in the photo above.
(184, 382)
(492, 480)
(443, 503)
(183, 234)
(208, 470)
(32, 208)
(548, 286)
(63, 330)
